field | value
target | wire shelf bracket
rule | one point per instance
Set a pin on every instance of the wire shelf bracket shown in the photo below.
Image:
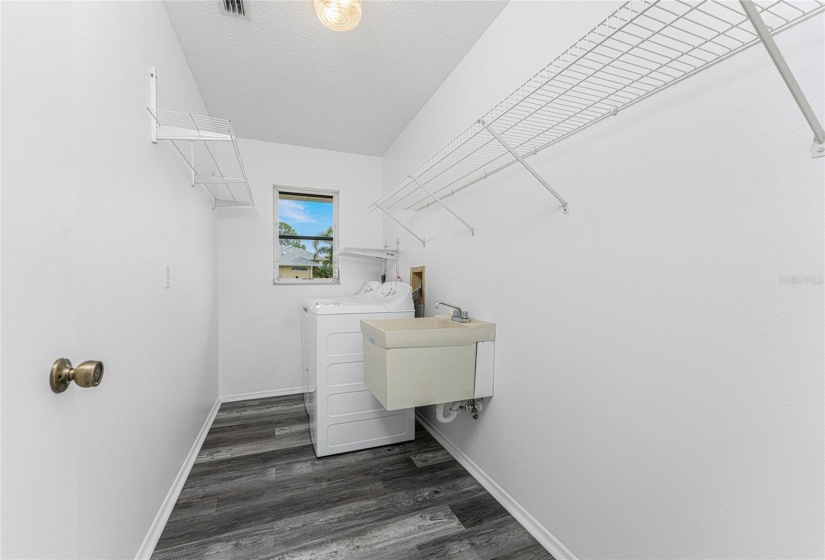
(422, 240)
(209, 148)
(526, 165)
(818, 148)
(445, 207)
(641, 49)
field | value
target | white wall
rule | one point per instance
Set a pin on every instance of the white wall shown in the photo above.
(133, 212)
(38, 469)
(659, 394)
(260, 323)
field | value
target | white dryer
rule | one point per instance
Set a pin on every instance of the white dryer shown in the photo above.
(343, 414)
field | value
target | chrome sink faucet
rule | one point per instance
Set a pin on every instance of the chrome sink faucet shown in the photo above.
(458, 315)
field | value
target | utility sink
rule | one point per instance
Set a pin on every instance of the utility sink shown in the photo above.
(440, 330)
(429, 360)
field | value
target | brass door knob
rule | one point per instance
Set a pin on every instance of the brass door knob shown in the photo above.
(87, 374)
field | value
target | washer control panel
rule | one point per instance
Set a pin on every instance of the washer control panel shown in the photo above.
(394, 295)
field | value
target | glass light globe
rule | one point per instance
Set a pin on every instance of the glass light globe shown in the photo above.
(339, 15)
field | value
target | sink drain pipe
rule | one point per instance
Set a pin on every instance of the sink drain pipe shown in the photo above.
(444, 414)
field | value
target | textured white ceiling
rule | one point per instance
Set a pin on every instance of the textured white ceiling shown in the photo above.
(282, 76)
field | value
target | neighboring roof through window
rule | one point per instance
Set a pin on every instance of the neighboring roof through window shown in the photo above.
(295, 256)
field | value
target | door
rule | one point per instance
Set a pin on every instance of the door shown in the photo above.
(36, 287)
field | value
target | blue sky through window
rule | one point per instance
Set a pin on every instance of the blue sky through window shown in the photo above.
(307, 218)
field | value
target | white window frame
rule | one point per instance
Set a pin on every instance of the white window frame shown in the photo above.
(276, 191)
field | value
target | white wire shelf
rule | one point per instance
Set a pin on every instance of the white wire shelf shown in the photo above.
(210, 150)
(639, 50)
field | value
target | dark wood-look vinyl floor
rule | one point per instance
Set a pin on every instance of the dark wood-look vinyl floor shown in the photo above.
(257, 490)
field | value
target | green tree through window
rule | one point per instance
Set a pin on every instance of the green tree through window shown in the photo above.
(323, 254)
(286, 229)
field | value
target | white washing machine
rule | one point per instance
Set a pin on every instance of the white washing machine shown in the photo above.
(343, 414)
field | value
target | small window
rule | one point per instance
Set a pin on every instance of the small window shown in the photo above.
(306, 236)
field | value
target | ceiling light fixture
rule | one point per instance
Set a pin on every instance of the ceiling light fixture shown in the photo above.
(339, 15)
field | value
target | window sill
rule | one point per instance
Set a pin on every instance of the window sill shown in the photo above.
(306, 282)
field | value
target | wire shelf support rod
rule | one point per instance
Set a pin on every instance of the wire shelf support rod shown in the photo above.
(526, 165)
(818, 148)
(444, 206)
(400, 223)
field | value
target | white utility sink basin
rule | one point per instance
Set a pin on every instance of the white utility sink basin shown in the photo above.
(429, 360)
(440, 330)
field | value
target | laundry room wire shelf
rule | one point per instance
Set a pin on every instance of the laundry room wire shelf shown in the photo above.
(208, 146)
(639, 50)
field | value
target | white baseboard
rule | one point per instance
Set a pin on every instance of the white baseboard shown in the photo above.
(264, 394)
(539, 531)
(150, 542)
